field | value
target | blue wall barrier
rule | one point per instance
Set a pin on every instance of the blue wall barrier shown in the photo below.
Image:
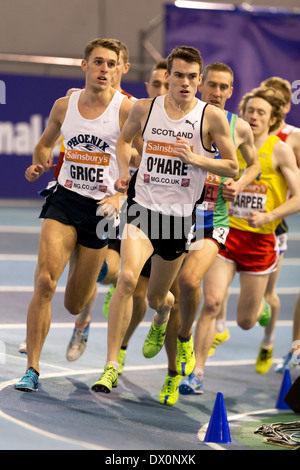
(25, 104)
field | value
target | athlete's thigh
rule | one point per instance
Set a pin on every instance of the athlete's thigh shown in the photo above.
(218, 278)
(197, 262)
(163, 274)
(57, 242)
(136, 248)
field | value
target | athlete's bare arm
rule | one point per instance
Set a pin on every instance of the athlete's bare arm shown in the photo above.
(215, 129)
(293, 141)
(244, 141)
(283, 160)
(131, 132)
(42, 153)
(111, 205)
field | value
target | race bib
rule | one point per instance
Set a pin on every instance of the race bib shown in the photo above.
(87, 170)
(163, 168)
(211, 189)
(253, 198)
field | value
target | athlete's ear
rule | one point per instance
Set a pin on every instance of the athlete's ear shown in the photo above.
(272, 121)
(84, 65)
(200, 84)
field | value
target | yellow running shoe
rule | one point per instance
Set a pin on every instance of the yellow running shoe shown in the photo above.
(107, 381)
(154, 340)
(185, 359)
(264, 360)
(219, 339)
(170, 391)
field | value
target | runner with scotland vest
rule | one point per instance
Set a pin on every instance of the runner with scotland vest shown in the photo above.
(178, 131)
(212, 222)
(90, 122)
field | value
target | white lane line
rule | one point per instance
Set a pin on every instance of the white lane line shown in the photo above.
(19, 229)
(59, 289)
(237, 417)
(104, 289)
(103, 325)
(50, 435)
(201, 433)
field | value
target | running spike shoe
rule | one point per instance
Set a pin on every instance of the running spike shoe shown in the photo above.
(78, 342)
(107, 381)
(154, 340)
(170, 390)
(185, 359)
(29, 383)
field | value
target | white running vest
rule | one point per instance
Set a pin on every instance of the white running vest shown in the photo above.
(164, 183)
(90, 166)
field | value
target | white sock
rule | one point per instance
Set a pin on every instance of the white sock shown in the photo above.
(220, 326)
(268, 341)
(113, 363)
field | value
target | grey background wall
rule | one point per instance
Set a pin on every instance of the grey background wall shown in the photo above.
(63, 27)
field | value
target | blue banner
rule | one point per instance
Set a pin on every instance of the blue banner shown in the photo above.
(25, 104)
(256, 44)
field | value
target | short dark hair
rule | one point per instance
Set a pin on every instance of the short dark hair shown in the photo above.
(186, 53)
(217, 67)
(110, 44)
(271, 96)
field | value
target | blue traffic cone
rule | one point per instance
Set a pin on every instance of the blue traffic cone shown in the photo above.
(218, 428)
(285, 386)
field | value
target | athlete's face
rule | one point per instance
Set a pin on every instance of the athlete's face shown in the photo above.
(122, 69)
(157, 84)
(217, 88)
(100, 68)
(183, 80)
(258, 115)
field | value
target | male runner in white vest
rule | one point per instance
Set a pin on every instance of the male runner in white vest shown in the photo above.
(178, 131)
(90, 121)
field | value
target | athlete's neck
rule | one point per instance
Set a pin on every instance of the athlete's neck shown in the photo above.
(259, 140)
(178, 110)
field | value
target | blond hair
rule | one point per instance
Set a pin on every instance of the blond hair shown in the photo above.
(271, 96)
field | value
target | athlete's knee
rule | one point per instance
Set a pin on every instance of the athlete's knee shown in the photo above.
(45, 285)
(188, 283)
(211, 305)
(157, 302)
(127, 281)
(245, 323)
(74, 305)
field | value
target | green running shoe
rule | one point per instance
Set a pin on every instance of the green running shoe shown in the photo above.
(266, 314)
(121, 360)
(107, 381)
(170, 391)
(154, 340)
(185, 359)
(107, 301)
